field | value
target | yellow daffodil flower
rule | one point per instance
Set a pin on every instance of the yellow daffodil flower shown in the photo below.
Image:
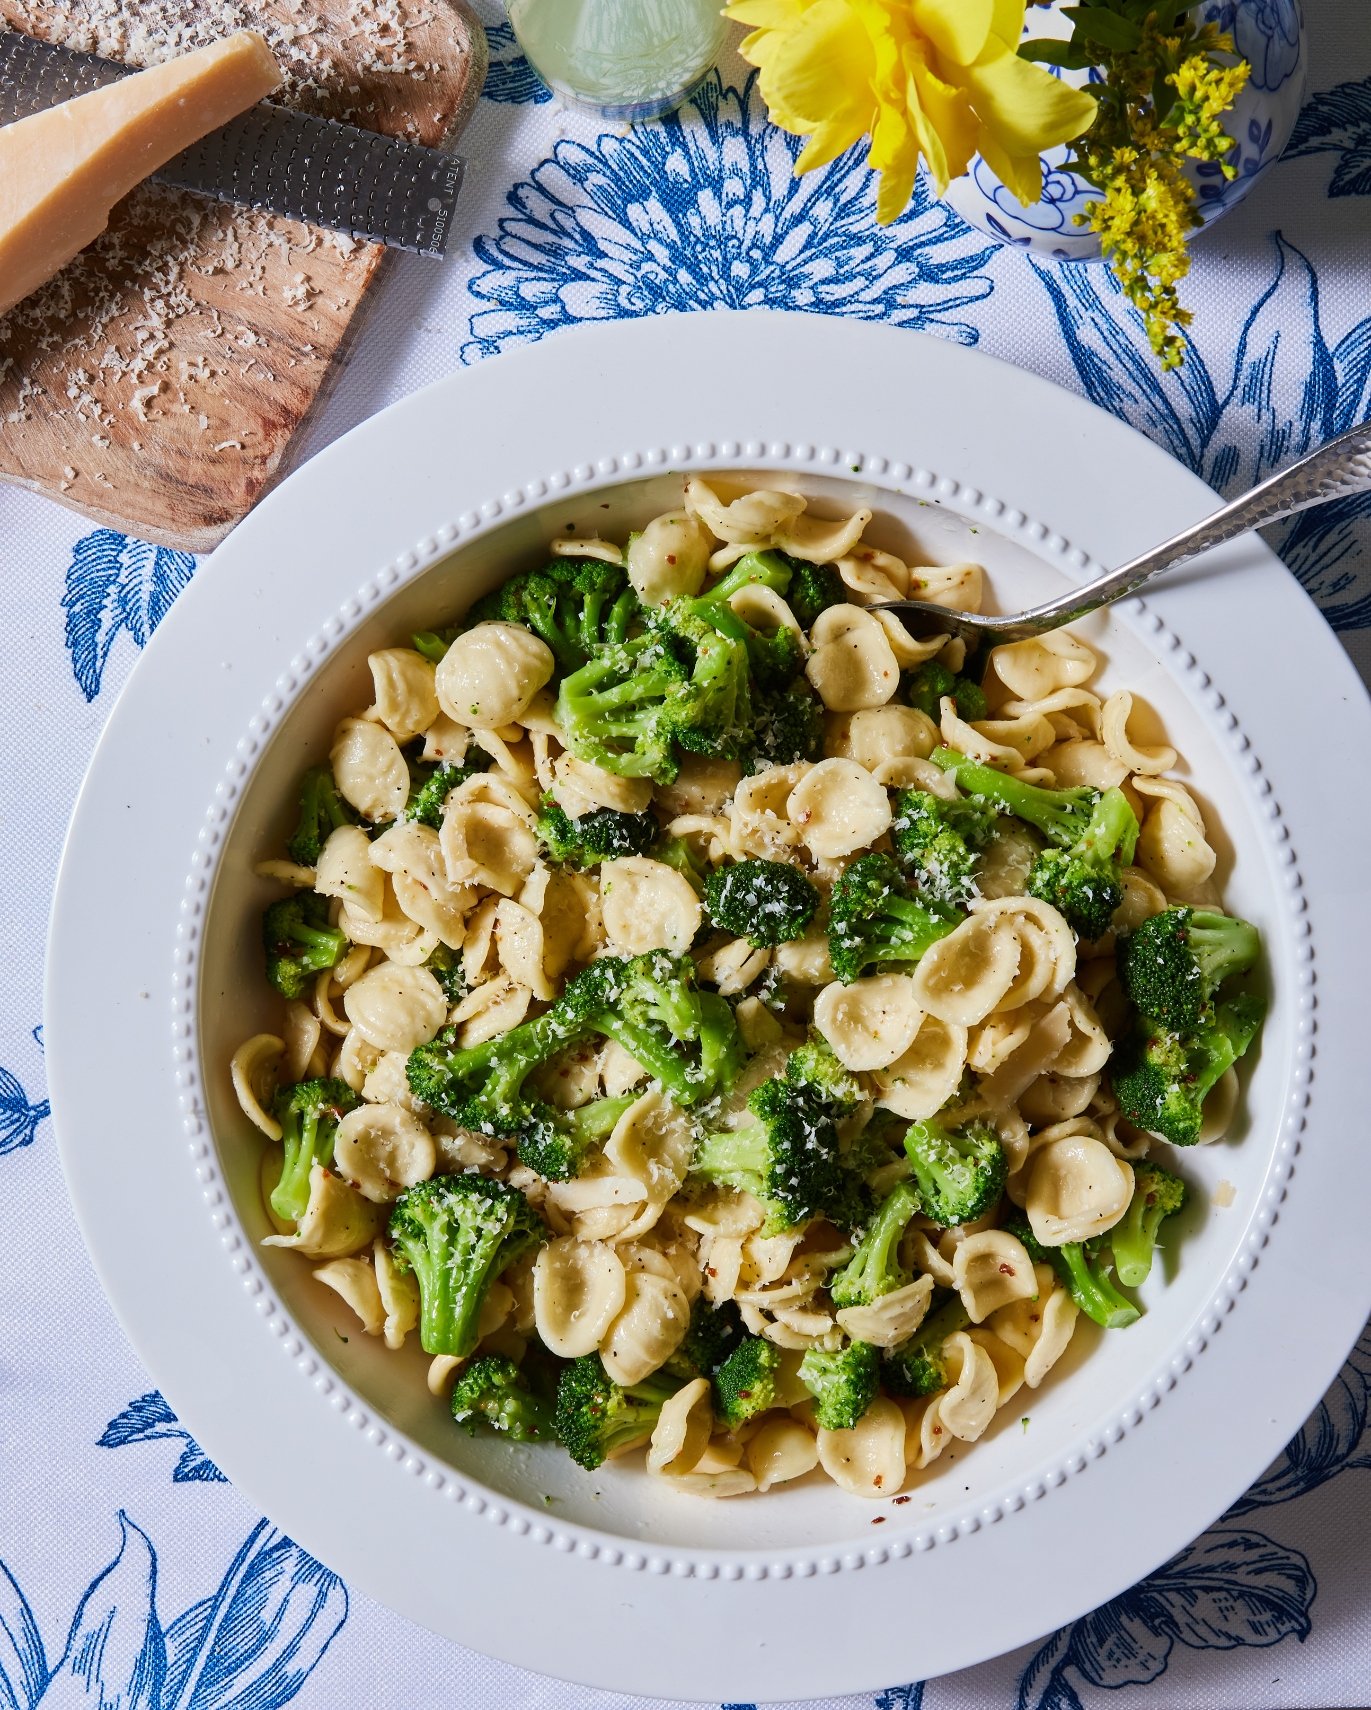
(940, 79)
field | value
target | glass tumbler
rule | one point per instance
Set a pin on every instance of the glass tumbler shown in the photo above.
(626, 59)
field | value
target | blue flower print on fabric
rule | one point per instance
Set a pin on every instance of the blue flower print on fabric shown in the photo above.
(149, 1418)
(117, 583)
(703, 211)
(1339, 122)
(1283, 391)
(250, 1646)
(1332, 1440)
(909, 1697)
(19, 1118)
(1228, 1589)
(509, 76)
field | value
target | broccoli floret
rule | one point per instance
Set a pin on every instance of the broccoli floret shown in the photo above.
(917, 1367)
(604, 834)
(620, 709)
(1175, 962)
(445, 964)
(787, 726)
(676, 852)
(960, 1171)
(843, 1383)
(493, 1390)
(427, 801)
(925, 686)
(938, 842)
(685, 1038)
(595, 1418)
(876, 919)
(1085, 1274)
(713, 713)
(753, 569)
(745, 1384)
(766, 902)
(322, 810)
(576, 605)
(456, 1234)
(815, 1069)
(813, 589)
(1157, 1195)
(777, 656)
(785, 1154)
(308, 1112)
(712, 1335)
(1093, 835)
(482, 1087)
(1084, 883)
(299, 942)
(555, 1142)
(875, 1268)
(1162, 1079)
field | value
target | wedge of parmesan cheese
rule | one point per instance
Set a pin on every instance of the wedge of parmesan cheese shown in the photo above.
(62, 170)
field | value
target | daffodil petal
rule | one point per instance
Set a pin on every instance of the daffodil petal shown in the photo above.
(821, 70)
(826, 143)
(958, 29)
(943, 122)
(764, 14)
(1025, 108)
(1022, 175)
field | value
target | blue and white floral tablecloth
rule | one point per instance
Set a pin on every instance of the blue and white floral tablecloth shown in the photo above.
(131, 1573)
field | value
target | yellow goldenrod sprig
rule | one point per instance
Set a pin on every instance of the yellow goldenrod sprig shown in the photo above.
(1161, 105)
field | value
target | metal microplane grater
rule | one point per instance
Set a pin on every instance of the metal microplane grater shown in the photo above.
(373, 187)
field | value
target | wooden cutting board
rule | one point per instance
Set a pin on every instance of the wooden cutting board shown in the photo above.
(157, 383)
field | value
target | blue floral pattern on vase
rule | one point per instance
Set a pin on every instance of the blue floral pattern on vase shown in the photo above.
(115, 583)
(1284, 391)
(147, 1419)
(1268, 33)
(1230, 1588)
(703, 211)
(249, 1646)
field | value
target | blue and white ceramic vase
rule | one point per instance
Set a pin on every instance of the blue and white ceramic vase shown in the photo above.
(1269, 34)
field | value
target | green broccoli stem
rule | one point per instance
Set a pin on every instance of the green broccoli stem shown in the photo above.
(1061, 815)
(764, 569)
(1091, 1288)
(1157, 1195)
(304, 1148)
(875, 1269)
(736, 1157)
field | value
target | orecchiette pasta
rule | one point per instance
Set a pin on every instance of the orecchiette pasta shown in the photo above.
(404, 697)
(489, 675)
(555, 1071)
(369, 769)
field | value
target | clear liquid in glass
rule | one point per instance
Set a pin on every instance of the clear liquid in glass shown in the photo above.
(627, 59)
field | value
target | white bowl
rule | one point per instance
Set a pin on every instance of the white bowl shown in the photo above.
(339, 1440)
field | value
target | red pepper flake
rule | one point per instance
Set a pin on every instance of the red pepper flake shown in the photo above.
(900, 1499)
(879, 1480)
(671, 557)
(878, 1519)
(1007, 1271)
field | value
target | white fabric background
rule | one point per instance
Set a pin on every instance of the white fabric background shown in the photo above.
(1270, 1610)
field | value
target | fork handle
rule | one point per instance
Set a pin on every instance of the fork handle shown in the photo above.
(1336, 470)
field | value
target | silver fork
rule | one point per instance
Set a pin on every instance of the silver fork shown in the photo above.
(1334, 471)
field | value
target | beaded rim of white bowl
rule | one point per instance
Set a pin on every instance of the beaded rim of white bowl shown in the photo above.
(719, 457)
